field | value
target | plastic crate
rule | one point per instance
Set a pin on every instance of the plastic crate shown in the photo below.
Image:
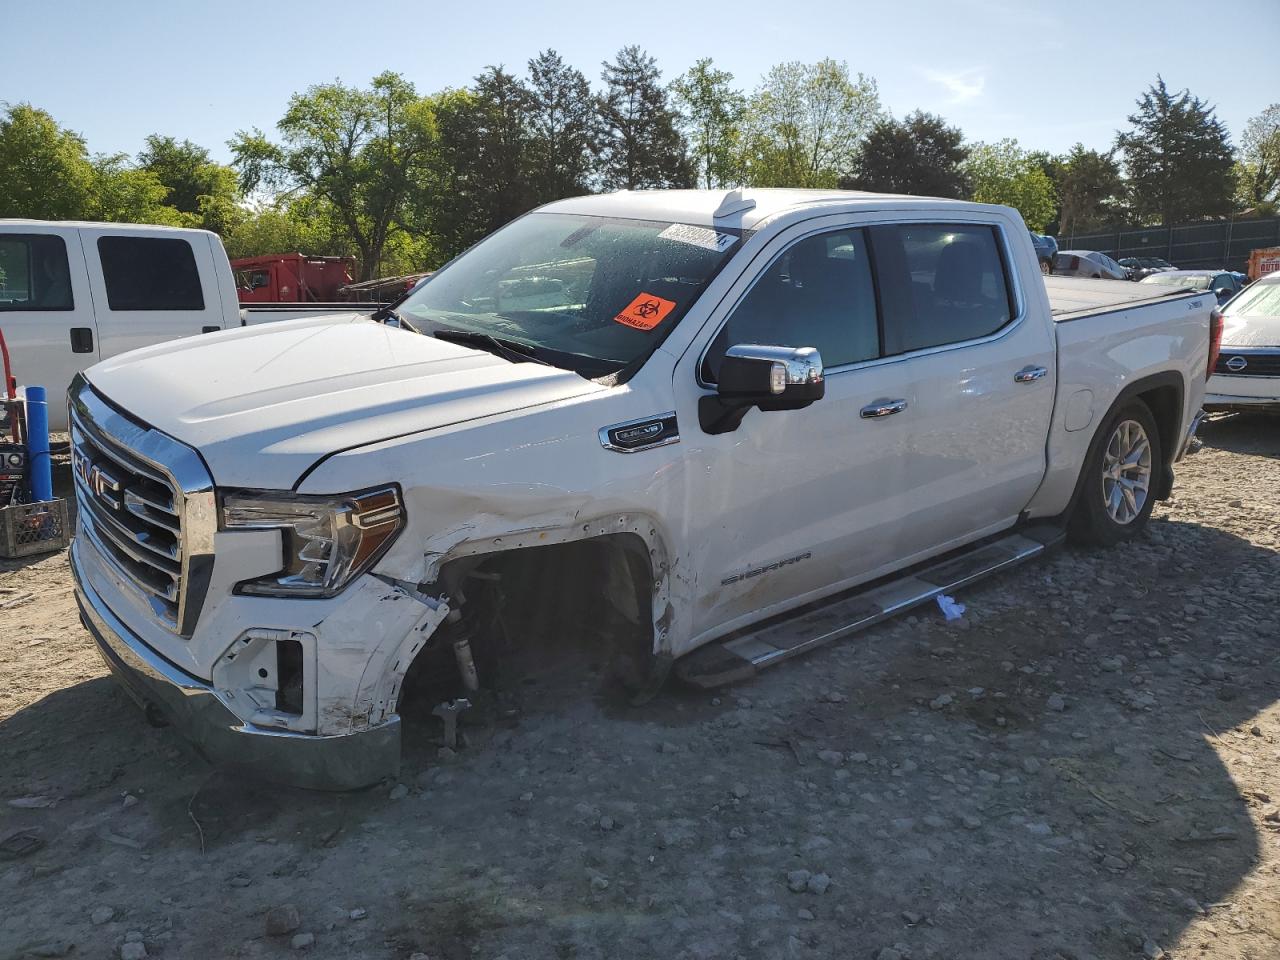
(28, 528)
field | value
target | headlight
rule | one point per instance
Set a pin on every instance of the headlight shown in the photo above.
(328, 541)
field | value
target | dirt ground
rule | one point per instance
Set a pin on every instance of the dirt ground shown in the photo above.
(1086, 766)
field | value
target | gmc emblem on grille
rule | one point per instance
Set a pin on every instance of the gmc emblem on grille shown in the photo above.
(98, 481)
(1236, 364)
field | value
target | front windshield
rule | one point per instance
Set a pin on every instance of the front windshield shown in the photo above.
(590, 294)
(1259, 300)
(1182, 283)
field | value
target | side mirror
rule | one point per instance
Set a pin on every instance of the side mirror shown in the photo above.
(770, 378)
(1223, 294)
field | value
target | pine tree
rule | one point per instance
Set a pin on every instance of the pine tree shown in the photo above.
(562, 127)
(1178, 158)
(641, 142)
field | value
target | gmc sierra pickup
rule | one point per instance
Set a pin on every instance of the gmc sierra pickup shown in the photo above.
(728, 427)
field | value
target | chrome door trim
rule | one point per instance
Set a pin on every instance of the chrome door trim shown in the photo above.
(882, 408)
(1030, 374)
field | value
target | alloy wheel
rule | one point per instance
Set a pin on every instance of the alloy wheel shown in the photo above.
(1126, 471)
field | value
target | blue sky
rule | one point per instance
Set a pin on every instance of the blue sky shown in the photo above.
(1047, 73)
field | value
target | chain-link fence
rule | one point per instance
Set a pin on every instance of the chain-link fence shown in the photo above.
(1191, 246)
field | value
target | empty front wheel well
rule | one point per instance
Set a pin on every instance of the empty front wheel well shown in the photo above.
(582, 605)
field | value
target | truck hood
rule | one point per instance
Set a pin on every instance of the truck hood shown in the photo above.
(1250, 332)
(262, 404)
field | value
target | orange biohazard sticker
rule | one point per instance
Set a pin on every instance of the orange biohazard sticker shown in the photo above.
(645, 312)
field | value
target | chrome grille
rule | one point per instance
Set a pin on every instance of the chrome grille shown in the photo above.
(146, 503)
(1248, 363)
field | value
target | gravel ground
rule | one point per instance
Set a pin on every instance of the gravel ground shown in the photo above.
(1086, 766)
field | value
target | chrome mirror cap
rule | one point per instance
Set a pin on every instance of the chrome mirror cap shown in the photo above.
(800, 365)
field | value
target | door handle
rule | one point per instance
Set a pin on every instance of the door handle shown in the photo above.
(882, 408)
(81, 340)
(210, 329)
(1030, 374)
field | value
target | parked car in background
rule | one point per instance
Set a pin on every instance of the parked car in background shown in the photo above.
(1142, 267)
(1247, 374)
(1046, 250)
(1088, 263)
(1222, 283)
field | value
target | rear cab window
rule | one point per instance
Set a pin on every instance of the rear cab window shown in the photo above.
(940, 284)
(34, 273)
(150, 273)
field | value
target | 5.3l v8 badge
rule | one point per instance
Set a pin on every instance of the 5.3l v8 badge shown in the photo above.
(643, 434)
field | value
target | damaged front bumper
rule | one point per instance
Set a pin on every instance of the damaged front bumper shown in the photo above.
(199, 713)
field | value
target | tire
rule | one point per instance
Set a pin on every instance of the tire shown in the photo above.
(1114, 498)
(1046, 267)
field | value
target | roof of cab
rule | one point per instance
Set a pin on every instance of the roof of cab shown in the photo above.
(121, 227)
(745, 208)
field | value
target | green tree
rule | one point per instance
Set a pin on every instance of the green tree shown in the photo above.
(806, 123)
(562, 128)
(920, 155)
(126, 194)
(503, 145)
(206, 192)
(1258, 170)
(481, 178)
(45, 172)
(297, 225)
(1004, 173)
(641, 144)
(364, 152)
(1089, 188)
(712, 110)
(1177, 157)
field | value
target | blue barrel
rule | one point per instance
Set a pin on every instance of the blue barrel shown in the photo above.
(39, 463)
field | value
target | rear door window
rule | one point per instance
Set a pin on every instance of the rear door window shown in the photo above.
(34, 273)
(150, 273)
(818, 293)
(940, 284)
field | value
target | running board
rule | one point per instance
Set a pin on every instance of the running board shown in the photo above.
(743, 654)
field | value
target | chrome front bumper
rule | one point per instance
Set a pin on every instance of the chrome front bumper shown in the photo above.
(197, 711)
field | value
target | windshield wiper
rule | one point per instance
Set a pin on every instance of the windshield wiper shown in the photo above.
(393, 318)
(512, 350)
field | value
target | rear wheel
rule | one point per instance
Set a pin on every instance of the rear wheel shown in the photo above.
(1115, 499)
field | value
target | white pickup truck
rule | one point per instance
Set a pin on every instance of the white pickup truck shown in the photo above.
(72, 294)
(686, 428)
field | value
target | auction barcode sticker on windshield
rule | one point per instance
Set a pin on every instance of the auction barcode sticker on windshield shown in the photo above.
(645, 312)
(703, 237)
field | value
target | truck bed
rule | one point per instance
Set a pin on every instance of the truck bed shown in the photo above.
(1073, 297)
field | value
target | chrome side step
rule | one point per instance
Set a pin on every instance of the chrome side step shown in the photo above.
(743, 654)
